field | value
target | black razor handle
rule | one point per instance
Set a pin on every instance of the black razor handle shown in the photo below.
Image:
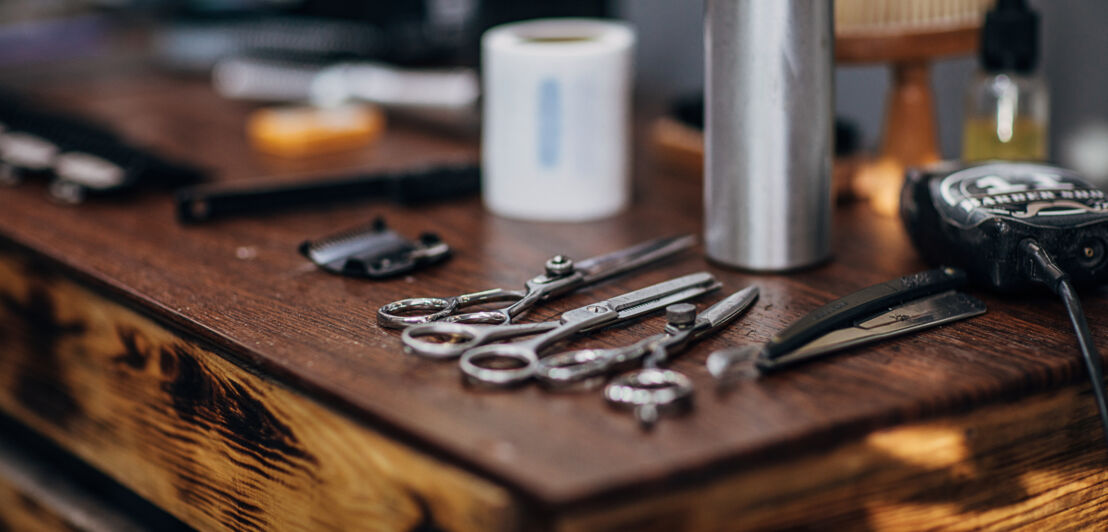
(843, 312)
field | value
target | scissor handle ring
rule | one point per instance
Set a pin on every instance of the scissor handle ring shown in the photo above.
(474, 373)
(468, 337)
(398, 314)
(571, 367)
(651, 387)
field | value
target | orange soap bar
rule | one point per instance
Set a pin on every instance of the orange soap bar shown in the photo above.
(305, 131)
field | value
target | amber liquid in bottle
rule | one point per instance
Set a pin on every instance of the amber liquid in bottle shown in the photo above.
(1006, 118)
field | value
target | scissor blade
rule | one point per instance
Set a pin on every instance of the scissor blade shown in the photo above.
(727, 309)
(656, 297)
(616, 262)
(914, 316)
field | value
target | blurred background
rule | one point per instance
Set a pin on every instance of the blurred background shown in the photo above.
(1074, 41)
(39, 37)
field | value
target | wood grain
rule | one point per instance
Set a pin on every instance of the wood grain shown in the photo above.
(206, 441)
(1035, 464)
(222, 448)
(43, 488)
(885, 45)
(239, 287)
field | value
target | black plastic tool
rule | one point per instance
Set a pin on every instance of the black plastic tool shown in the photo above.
(81, 158)
(908, 304)
(865, 302)
(1014, 226)
(409, 187)
(374, 251)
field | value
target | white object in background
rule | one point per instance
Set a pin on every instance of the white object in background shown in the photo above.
(1086, 150)
(556, 130)
(250, 78)
(445, 89)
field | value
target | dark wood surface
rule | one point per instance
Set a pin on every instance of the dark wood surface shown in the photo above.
(240, 287)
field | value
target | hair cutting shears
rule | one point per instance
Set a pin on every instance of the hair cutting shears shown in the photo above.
(513, 363)
(562, 275)
(651, 390)
(584, 367)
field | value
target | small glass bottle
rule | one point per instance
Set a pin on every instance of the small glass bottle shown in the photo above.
(1007, 105)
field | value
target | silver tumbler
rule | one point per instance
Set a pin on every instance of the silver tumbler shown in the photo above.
(769, 117)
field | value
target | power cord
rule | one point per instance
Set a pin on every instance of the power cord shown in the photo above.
(1044, 270)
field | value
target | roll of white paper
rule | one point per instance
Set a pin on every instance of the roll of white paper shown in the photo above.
(556, 131)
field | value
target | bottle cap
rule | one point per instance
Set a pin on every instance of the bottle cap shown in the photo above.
(1010, 38)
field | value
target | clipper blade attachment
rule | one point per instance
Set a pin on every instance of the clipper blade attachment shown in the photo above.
(374, 251)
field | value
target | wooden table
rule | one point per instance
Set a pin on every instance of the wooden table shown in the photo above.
(216, 373)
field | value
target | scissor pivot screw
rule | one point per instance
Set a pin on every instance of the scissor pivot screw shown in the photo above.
(559, 265)
(681, 314)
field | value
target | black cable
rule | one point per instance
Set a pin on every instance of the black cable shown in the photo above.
(1088, 350)
(1044, 270)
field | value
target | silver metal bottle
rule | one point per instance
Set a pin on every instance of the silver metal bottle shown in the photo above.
(769, 117)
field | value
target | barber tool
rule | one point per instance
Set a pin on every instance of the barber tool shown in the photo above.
(98, 169)
(22, 153)
(767, 193)
(32, 137)
(557, 102)
(562, 276)
(1015, 226)
(374, 251)
(81, 158)
(908, 304)
(501, 365)
(583, 368)
(651, 390)
(410, 187)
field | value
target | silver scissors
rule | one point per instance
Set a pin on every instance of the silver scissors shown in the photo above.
(562, 275)
(585, 368)
(651, 390)
(500, 365)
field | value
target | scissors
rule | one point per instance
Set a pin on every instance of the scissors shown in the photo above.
(500, 365)
(586, 367)
(651, 390)
(562, 275)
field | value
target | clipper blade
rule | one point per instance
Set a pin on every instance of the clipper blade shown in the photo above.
(374, 251)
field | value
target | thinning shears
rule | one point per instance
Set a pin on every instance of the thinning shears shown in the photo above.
(500, 365)
(562, 275)
(651, 390)
(582, 367)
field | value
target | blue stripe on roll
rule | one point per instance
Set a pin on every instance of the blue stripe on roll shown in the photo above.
(549, 123)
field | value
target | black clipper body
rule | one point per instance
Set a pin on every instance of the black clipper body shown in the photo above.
(976, 217)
